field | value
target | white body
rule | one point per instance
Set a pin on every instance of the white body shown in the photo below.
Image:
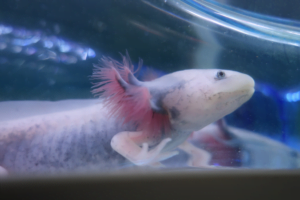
(43, 136)
(78, 137)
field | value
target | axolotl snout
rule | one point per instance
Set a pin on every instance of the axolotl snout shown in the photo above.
(142, 121)
(194, 98)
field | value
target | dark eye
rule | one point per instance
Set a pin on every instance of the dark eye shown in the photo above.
(220, 75)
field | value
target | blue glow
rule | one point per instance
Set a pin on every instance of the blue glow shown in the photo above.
(5, 29)
(293, 96)
(45, 47)
(91, 53)
(83, 55)
(64, 46)
(48, 44)
(25, 42)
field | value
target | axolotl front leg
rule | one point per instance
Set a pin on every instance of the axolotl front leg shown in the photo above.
(135, 147)
(165, 110)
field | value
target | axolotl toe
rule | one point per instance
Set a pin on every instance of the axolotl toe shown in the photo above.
(136, 121)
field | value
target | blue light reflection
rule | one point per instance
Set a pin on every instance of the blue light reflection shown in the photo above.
(42, 45)
(292, 96)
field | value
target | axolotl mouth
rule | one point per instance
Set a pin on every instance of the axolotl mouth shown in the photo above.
(236, 93)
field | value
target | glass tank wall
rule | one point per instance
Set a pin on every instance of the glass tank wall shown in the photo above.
(48, 48)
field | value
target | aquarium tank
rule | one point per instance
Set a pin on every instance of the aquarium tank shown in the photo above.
(99, 87)
(109, 95)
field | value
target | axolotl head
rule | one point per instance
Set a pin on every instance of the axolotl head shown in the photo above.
(182, 101)
(195, 98)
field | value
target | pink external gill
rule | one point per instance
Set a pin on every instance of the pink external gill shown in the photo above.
(126, 101)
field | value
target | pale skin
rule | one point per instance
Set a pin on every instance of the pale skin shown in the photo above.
(199, 99)
(128, 145)
(76, 138)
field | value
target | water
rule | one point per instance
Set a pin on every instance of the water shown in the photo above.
(47, 51)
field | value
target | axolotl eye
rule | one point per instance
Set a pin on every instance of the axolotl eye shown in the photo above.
(220, 75)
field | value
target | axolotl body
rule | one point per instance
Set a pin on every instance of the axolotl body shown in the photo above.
(140, 122)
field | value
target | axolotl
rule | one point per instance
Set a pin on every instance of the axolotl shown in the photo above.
(136, 121)
(238, 147)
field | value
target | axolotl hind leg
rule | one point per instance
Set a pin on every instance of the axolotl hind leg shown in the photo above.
(127, 144)
(198, 157)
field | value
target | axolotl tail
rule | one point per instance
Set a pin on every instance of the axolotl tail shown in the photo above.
(62, 141)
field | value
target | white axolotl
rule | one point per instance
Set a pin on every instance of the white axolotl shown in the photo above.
(143, 122)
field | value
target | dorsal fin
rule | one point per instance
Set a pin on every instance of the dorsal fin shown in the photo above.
(126, 97)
